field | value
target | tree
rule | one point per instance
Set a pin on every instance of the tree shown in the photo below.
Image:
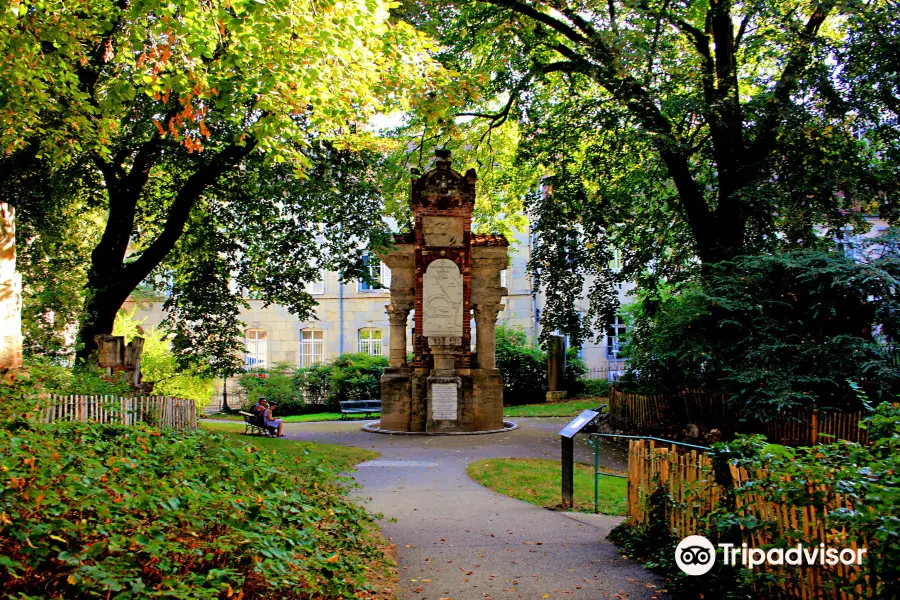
(154, 103)
(683, 133)
(794, 330)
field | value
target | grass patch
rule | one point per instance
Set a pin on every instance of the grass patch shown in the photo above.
(538, 481)
(310, 418)
(570, 408)
(308, 455)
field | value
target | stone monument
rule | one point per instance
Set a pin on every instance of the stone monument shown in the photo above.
(446, 274)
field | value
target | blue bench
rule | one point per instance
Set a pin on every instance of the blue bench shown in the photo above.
(360, 407)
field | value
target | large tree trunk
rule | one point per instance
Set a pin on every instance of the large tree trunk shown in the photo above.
(111, 279)
(10, 292)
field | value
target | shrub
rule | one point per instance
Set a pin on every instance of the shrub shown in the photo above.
(594, 387)
(110, 511)
(866, 475)
(523, 367)
(772, 332)
(355, 377)
(278, 384)
(159, 364)
(319, 387)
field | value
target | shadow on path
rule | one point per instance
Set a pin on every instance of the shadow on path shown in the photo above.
(456, 539)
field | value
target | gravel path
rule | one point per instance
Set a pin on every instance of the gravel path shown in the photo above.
(456, 539)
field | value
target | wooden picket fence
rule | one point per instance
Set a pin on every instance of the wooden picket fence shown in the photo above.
(638, 413)
(159, 411)
(687, 480)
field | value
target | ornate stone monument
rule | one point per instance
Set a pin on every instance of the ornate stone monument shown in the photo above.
(445, 273)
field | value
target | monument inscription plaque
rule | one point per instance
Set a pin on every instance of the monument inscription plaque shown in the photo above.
(442, 295)
(443, 401)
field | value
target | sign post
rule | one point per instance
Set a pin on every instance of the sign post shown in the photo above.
(567, 436)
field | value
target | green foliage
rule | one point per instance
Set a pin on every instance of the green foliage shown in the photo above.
(278, 384)
(355, 377)
(594, 387)
(522, 367)
(20, 389)
(317, 388)
(772, 332)
(670, 131)
(92, 509)
(575, 372)
(160, 365)
(868, 476)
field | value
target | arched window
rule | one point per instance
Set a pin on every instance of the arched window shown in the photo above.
(370, 342)
(256, 349)
(312, 347)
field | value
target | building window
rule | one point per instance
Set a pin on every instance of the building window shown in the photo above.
(256, 344)
(503, 278)
(312, 347)
(615, 263)
(370, 342)
(379, 272)
(615, 339)
(315, 287)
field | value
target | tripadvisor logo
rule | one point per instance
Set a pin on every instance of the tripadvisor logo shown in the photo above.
(695, 555)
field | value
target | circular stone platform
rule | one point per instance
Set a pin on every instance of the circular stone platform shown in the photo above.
(375, 427)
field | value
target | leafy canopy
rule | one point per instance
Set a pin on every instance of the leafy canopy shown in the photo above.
(678, 132)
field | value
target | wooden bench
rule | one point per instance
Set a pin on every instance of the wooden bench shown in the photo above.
(360, 407)
(253, 425)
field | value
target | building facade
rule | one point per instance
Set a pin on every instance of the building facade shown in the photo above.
(351, 317)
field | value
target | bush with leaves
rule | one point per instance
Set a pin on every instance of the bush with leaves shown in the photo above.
(318, 387)
(522, 367)
(128, 512)
(866, 476)
(160, 365)
(278, 384)
(772, 332)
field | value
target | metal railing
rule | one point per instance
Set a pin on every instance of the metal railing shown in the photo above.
(594, 440)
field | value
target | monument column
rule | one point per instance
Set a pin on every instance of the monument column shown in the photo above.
(398, 315)
(485, 326)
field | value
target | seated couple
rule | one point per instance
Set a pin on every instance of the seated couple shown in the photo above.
(263, 410)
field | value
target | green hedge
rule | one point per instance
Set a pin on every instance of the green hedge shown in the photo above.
(92, 510)
(317, 388)
(524, 368)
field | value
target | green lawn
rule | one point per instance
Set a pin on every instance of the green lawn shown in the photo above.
(569, 408)
(326, 416)
(311, 454)
(539, 482)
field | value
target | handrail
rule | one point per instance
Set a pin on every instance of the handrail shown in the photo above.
(596, 445)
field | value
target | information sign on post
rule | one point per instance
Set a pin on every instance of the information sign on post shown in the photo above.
(567, 436)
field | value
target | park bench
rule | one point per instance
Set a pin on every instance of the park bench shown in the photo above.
(254, 424)
(360, 407)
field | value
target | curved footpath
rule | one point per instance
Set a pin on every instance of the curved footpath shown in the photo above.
(456, 539)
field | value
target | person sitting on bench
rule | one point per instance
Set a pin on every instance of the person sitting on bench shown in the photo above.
(259, 409)
(271, 421)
